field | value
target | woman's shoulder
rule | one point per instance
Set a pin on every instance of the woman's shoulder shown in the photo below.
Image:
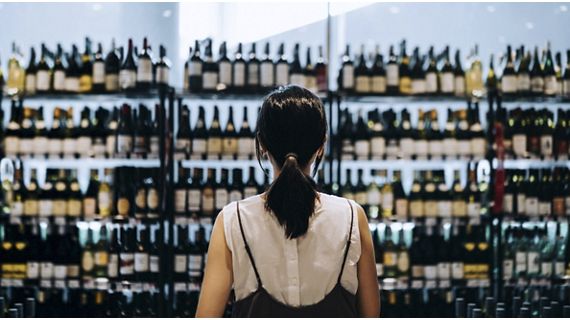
(247, 206)
(330, 200)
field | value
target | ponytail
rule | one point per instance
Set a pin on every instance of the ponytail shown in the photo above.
(291, 197)
(292, 128)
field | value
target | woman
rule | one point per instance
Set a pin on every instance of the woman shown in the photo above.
(291, 251)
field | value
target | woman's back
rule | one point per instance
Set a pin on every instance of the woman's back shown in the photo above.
(300, 271)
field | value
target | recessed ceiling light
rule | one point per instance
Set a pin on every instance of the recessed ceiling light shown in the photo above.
(167, 13)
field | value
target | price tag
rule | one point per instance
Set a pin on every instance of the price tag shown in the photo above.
(60, 284)
(402, 284)
(45, 283)
(60, 221)
(484, 283)
(6, 283)
(180, 220)
(17, 283)
(89, 284)
(444, 284)
(430, 284)
(417, 284)
(102, 283)
(193, 286)
(179, 286)
(137, 286)
(472, 283)
(73, 284)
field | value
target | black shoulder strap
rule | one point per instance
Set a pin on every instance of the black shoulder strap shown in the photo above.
(247, 247)
(347, 241)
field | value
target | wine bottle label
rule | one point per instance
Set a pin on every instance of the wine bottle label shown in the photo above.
(40, 145)
(162, 75)
(444, 208)
(508, 265)
(225, 73)
(154, 264)
(72, 270)
(431, 82)
(195, 263)
(141, 262)
(101, 258)
(244, 146)
(26, 146)
(360, 197)
(459, 208)
(127, 79)
(537, 84)
(180, 201)
(253, 74)
(567, 206)
(72, 84)
(209, 80)
(17, 208)
(221, 197)
(362, 149)
(473, 209)
(401, 208)
(550, 85)
(282, 74)
(69, 146)
(59, 207)
(152, 199)
(377, 147)
(533, 265)
(30, 83)
(32, 270)
(478, 146)
(11, 145)
(267, 74)
(124, 143)
(459, 86)
(362, 84)
(546, 145)
(113, 266)
(523, 82)
(430, 272)
(59, 271)
(403, 263)
(208, 204)
(392, 75)
(418, 86)
(379, 270)
(509, 84)
(443, 270)
(297, 79)
(98, 72)
(416, 208)
(30, 207)
(123, 207)
(508, 203)
(84, 146)
(531, 206)
(457, 270)
(194, 200)
(87, 261)
(127, 263)
(144, 70)
(546, 269)
(249, 192)
(566, 88)
(214, 146)
(390, 259)
(235, 195)
(435, 148)
(521, 203)
(199, 146)
(195, 68)
(374, 198)
(239, 75)
(544, 208)
(111, 82)
(421, 148)
(89, 206)
(59, 80)
(447, 82)
(387, 201)
(104, 200)
(430, 208)
(558, 206)
(229, 146)
(46, 270)
(74, 207)
(311, 83)
(559, 269)
(348, 77)
(85, 83)
(42, 80)
(180, 263)
(464, 147)
(378, 84)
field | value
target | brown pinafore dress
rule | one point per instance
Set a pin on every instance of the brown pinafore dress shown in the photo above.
(337, 303)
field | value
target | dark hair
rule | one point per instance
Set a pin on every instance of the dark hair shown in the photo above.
(292, 126)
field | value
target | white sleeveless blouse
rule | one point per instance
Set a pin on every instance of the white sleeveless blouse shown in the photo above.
(298, 271)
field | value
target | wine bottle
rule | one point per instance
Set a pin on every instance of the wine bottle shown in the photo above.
(431, 74)
(459, 76)
(362, 139)
(550, 82)
(128, 72)
(296, 75)
(180, 192)
(114, 262)
(239, 71)
(140, 194)
(58, 71)
(98, 73)
(214, 144)
(536, 75)
(446, 77)
(73, 72)
(252, 67)
(310, 74)
(141, 256)
(509, 77)
(86, 73)
(221, 194)
(16, 78)
(124, 133)
(208, 194)
(43, 76)
(347, 81)
(144, 68)
(127, 255)
(194, 190)
(112, 68)
(566, 78)
(162, 68)
(362, 75)
(210, 70)
(405, 82)
(235, 190)
(434, 136)
(84, 134)
(392, 73)
(267, 70)
(183, 137)
(281, 67)
(230, 138)
(31, 82)
(225, 68)
(251, 186)
(195, 70)
(200, 138)
(523, 76)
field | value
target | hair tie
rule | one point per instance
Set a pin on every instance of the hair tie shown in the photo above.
(291, 154)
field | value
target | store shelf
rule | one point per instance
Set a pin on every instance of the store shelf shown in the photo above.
(89, 163)
(532, 163)
(153, 95)
(224, 163)
(402, 99)
(405, 164)
(223, 96)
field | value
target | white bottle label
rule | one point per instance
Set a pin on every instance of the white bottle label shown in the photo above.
(508, 203)
(523, 82)
(418, 86)
(431, 82)
(392, 75)
(111, 82)
(30, 83)
(127, 263)
(195, 68)
(509, 84)
(59, 80)
(348, 77)
(42, 80)
(457, 271)
(459, 86)
(537, 84)
(225, 73)
(379, 84)
(421, 148)
(209, 80)
(199, 146)
(447, 83)
(154, 264)
(435, 148)
(546, 145)
(253, 74)
(508, 266)
(532, 262)
(144, 70)
(180, 200)
(519, 144)
(377, 147)
(180, 265)
(267, 74)
(450, 149)
(297, 79)
(40, 145)
(127, 79)
(221, 197)
(282, 74)
(566, 88)
(194, 200)
(550, 85)
(407, 146)
(32, 270)
(362, 84)
(239, 74)
(362, 149)
(162, 75)
(546, 269)
(113, 266)
(99, 72)
(531, 206)
(141, 262)
(478, 146)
